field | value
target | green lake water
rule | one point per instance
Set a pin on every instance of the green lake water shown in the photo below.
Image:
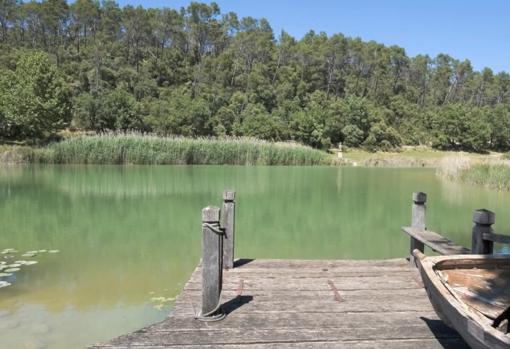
(127, 234)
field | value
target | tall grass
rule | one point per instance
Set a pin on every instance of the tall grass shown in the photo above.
(146, 149)
(452, 167)
(17, 154)
(494, 174)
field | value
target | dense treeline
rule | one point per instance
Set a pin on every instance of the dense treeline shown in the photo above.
(199, 72)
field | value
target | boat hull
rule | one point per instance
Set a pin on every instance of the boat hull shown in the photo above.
(470, 326)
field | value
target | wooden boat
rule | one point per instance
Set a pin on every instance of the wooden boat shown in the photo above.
(470, 293)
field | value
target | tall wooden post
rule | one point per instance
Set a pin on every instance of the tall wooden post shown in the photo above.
(212, 258)
(418, 219)
(228, 225)
(483, 220)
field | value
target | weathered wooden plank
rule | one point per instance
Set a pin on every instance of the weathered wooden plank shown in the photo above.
(264, 300)
(446, 343)
(252, 305)
(272, 295)
(321, 269)
(502, 239)
(311, 284)
(298, 321)
(314, 273)
(309, 277)
(436, 241)
(315, 263)
(255, 336)
(301, 272)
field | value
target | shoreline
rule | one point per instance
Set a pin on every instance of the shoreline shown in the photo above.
(410, 157)
(414, 157)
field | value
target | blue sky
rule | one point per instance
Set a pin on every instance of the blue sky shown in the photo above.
(477, 30)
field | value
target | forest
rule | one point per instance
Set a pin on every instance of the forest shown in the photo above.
(196, 71)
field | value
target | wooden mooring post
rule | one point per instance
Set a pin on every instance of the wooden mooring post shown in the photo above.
(418, 219)
(228, 225)
(483, 219)
(212, 260)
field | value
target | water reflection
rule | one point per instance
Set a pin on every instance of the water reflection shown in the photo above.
(127, 234)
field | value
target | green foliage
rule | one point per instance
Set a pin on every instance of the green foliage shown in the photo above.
(382, 137)
(353, 136)
(359, 118)
(113, 110)
(176, 112)
(139, 149)
(258, 123)
(461, 127)
(34, 99)
(200, 72)
(499, 120)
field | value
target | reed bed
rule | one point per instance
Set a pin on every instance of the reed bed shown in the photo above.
(18, 154)
(452, 167)
(152, 150)
(493, 174)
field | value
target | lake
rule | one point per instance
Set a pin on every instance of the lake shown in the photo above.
(128, 234)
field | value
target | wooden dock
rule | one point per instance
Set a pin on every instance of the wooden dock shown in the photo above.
(305, 304)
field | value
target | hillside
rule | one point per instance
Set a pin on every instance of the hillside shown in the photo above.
(197, 71)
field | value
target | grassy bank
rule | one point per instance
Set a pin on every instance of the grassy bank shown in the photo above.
(151, 150)
(407, 157)
(491, 173)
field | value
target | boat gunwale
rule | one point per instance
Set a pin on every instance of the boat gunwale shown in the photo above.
(468, 261)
